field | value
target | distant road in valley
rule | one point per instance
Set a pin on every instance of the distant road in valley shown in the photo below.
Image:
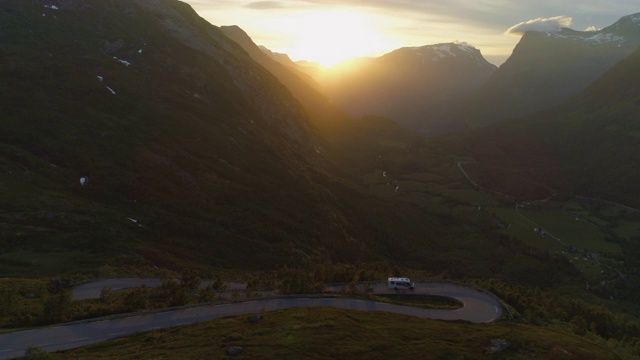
(478, 307)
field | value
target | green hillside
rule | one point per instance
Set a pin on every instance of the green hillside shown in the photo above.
(339, 334)
(199, 145)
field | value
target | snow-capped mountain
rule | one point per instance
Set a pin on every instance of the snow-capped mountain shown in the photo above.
(547, 68)
(409, 84)
(446, 51)
(624, 32)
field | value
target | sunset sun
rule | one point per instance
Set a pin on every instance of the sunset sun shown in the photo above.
(331, 36)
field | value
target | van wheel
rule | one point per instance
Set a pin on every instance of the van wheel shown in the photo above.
(395, 288)
(411, 288)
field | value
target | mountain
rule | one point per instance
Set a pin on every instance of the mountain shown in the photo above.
(585, 147)
(278, 64)
(135, 133)
(547, 68)
(312, 69)
(408, 85)
(324, 116)
(284, 59)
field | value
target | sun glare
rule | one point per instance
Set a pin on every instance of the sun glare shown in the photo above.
(331, 36)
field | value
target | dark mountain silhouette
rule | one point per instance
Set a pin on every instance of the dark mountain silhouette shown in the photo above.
(586, 146)
(408, 85)
(306, 69)
(278, 64)
(193, 151)
(546, 69)
(305, 89)
(312, 69)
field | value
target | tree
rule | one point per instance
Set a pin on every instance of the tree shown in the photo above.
(36, 353)
(138, 299)
(207, 294)
(174, 293)
(190, 280)
(58, 308)
(106, 296)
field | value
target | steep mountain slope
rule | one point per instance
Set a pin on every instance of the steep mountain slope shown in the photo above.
(324, 116)
(547, 68)
(586, 146)
(408, 84)
(192, 151)
(278, 64)
(314, 70)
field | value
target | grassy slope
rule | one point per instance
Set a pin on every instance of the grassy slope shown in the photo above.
(183, 147)
(145, 158)
(323, 333)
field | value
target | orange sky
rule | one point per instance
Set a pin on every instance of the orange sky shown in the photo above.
(328, 31)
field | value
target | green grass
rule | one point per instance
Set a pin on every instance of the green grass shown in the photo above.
(427, 177)
(413, 186)
(427, 201)
(589, 268)
(627, 229)
(423, 301)
(32, 264)
(21, 299)
(578, 234)
(579, 209)
(523, 229)
(464, 194)
(325, 333)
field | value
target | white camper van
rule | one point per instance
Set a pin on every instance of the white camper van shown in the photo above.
(399, 283)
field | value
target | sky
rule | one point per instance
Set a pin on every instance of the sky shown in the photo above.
(329, 31)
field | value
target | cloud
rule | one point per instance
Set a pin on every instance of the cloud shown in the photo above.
(592, 28)
(551, 24)
(264, 5)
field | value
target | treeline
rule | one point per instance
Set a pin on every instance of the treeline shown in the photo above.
(26, 303)
(34, 302)
(532, 305)
(31, 303)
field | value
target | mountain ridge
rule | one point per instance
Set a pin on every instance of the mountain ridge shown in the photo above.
(322, 113)
(174, 125)
(408, 84)
(547, 68)
(558, 144)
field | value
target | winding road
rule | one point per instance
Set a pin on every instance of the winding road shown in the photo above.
(478, 307)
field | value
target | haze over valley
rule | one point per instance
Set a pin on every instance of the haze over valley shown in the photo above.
(163, 162)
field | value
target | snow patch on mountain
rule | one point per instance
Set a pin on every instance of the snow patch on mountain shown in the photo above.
(443, 50)
(468, 48)
(604, 37)
(598, 38)
(125, 62)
